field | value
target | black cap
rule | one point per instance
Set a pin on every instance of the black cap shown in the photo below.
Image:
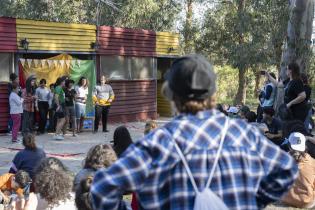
(192, 77)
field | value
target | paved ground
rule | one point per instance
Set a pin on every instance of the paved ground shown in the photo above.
(76, 147)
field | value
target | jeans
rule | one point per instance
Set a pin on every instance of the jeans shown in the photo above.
(16, 119)
(101, 112)
(28, 122)
(43, 111)
(52, 120)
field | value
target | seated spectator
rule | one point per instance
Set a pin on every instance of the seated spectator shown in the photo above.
(53, 183)
(11, 184)
(222, 109)
(251, 117)
(149, 126)
(122, 140)
(274, 125)
(28, 158)
(82, 194)
(233, 112)
(99, 156)
(302, 194)
(243, 111)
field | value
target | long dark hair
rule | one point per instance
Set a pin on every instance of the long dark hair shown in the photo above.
(295, 70)
(122, 140)
(81, 81)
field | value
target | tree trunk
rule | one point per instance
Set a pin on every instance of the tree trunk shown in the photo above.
(299, 35)
(188, 34)
(257, 83)
(240, 97)
(298, 41)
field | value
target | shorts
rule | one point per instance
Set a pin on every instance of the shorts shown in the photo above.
(70, 111)
(61, 112)
(80, 110)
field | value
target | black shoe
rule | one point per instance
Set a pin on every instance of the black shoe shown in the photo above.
(105, 131)
(94, 132)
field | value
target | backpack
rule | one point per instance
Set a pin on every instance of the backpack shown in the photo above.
(206, 199)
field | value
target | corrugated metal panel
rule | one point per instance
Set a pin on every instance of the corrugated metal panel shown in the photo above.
(167, 44)
(51, 36)
(128, 42)
(7, 35)
(4, 107)
(135, 100)
(163, 106)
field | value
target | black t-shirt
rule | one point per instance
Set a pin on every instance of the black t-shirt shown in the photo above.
(308, 92)
(69, 97)
(292, 90)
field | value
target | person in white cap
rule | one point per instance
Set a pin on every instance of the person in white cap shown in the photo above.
(302, 194)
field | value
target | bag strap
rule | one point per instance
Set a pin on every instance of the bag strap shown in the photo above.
(192, 180)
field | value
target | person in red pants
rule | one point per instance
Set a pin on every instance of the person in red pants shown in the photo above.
(16, 110)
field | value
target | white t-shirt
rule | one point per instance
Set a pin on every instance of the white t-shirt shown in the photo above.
(81, 92)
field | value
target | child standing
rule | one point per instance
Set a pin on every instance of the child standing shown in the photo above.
(16, 109)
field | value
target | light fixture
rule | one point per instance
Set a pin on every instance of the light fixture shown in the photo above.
(24, 44)
(170, 49)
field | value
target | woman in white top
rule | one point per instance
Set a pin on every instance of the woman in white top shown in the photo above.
(53, 183)
(82, 91)
(16, 110)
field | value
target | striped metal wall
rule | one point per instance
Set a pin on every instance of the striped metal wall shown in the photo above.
(51, 36)
(167, 44)
(4, 107)
(135, 100)
(126, 42)
(7, 35)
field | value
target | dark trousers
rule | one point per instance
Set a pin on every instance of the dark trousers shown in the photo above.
(43, 111)
(52, 120)
(28, 122)
(101, 112)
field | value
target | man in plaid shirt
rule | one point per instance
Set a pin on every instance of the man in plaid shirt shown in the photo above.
(251, 170)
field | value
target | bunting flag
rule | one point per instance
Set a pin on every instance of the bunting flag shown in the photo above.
(43, 62)
(79, 63)
(68, 63)
(55, 62)
(36, 62)
(29, 62)
(62, 63)
(50, 63)
(22, 60)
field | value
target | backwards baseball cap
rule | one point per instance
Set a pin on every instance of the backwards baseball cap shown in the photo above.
(297, 141)
(190, 77)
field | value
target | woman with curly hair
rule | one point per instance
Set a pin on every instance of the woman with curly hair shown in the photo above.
(99, 156)
(53, 185)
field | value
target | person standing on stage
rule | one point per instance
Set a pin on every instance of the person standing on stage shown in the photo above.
(28, 94)
(82, 91)
(43, 95)
(103, 97)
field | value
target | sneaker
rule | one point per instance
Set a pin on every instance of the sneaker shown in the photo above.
(75, 135)
(17, 141)
(58, 137)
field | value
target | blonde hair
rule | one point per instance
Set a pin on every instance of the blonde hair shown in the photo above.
(100, 156)
(149, 126)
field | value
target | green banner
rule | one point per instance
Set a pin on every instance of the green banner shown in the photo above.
(85, 68)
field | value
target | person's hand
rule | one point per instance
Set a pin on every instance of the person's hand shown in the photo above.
(6, 200)
(288, 105)
(37, 109)
(110, 100)
(269, 135)
(58, 108)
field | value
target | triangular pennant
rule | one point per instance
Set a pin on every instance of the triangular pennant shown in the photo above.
(68, 63)
(79, 63)
(29, 62)
(43, 62)
(55, 63)
(50, 62)
(36, 62)
(22, 60)
(73, 62)
(62, 63)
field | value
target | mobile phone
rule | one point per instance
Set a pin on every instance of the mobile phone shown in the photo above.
(262, 72)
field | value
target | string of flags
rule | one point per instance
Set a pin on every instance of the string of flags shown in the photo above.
(40, 63)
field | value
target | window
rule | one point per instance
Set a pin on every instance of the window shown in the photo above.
(128, 68)
(6, 66)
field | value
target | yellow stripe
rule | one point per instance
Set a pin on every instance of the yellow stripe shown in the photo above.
(56, 31)
(54, 24)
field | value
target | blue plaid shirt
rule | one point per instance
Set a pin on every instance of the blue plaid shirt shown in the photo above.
(251, 171)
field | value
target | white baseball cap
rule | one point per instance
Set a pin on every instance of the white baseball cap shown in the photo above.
(233, 110)
(297, 141)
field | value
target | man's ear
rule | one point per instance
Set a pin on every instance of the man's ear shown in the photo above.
(213, 101)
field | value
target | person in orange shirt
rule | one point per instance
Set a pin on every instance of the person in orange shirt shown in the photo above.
(14, 184)
(302, 194)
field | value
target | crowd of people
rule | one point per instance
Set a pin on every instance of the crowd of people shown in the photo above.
(60, 107)
(207, 157)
